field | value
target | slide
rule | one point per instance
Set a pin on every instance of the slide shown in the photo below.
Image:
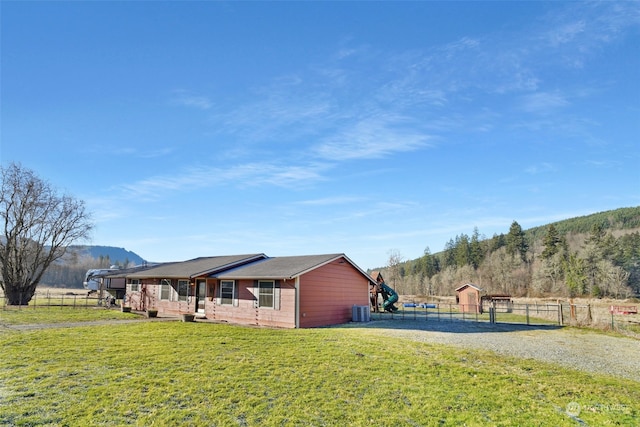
(390, 297)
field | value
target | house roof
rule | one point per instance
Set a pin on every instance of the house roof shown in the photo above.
(469, 285)
(287, 267)
(126, 272)
(197, 267)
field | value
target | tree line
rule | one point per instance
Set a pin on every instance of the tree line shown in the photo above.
(70, 271)
(603, 262)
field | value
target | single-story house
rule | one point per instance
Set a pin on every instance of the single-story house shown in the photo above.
(468, 298)
(254, 289)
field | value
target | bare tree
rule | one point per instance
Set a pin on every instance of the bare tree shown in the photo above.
(39, 225)
(393, 266)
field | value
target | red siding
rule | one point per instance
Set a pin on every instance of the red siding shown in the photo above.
(328, 294)
(469, 300)
(247, 314)
(149, 297)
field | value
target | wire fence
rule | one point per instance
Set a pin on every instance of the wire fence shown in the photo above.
(559, 314)
(622, 318)
(51, 298)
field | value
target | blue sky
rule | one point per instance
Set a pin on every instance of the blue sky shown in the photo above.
(206, 128)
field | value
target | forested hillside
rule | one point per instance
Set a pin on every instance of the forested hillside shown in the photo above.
(69, 272)
(595, 255)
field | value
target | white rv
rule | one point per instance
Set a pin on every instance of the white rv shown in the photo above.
(95, 281)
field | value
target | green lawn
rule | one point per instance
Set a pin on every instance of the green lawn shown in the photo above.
(202, 374)
(30, 315)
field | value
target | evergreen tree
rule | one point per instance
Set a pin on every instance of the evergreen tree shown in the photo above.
(551, 243)
(449, 255)
(430, 263)
(462, 250)
(497, 241)
(516, 242)
(596, 234)
(575, 275)
(475, 247)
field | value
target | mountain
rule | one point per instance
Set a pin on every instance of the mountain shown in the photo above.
(624, 219)
(115, 255)
(594, 255)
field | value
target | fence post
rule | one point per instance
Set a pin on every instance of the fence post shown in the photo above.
(492, 312)
(560, 319)
(527, 309)
(613, 326)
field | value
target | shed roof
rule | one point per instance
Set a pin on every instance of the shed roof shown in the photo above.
(202, 266)
(287, 267)
(376, 274)
(469, 285)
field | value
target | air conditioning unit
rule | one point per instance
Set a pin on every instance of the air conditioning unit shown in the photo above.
(360, 313)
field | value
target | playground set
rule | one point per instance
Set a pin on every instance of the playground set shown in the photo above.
(389, 296)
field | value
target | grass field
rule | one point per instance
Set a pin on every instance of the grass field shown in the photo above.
(197, 374)
(30, 315)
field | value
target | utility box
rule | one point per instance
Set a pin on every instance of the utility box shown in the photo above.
(360, 313)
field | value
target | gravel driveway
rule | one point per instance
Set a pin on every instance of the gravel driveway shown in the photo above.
(574, 348)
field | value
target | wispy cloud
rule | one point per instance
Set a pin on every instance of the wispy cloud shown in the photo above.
(330, 201)
(543, 102)
(565, 33)
(540, 168)
(187, 99)
(130, 151)
(241, 175)
(574, 33)
(602, 164)
(372, 137)
(334, 111)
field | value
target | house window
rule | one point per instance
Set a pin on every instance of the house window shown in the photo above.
(165, 289)
(265, 293)
(226, 291)
(183, 290)
(134, 284)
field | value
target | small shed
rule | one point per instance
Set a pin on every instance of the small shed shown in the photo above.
(502, 303)
(468, 298)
